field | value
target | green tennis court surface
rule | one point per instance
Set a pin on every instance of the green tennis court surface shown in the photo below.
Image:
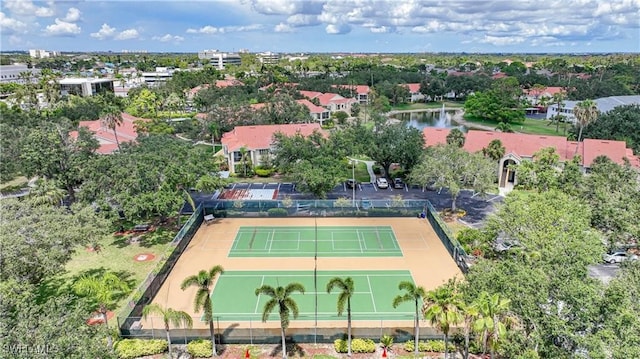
(234, 296)
(363, 241)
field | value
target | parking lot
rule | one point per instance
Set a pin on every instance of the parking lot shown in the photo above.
(476, 206)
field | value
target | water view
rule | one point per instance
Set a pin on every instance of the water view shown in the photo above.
(422, 119)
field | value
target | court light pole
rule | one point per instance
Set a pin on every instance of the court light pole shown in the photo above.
(353, 188)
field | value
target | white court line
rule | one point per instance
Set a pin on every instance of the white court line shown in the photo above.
(255, 311)
(226, 274)
(273, 234)
(373, 300)
(359, 242)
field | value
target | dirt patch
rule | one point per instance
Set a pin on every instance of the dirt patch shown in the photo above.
(96, 318)
(144, 257)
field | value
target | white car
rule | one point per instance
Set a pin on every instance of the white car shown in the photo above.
(382, 182)
(618, 257)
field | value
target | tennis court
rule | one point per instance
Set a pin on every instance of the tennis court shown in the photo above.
(235, 300)
(323, 241)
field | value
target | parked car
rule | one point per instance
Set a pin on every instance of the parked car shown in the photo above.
(397, 183)
(351, 183)
(618, 257)
(366, 203)
(382, 183)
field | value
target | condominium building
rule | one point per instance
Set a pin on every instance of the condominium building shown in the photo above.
(157, 77)
(42, 54)
(220, 60)
(17, 74)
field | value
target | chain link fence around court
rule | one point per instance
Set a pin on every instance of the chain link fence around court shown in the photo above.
(395, 207)
(447, 238)
(253, 331)
(148, 289)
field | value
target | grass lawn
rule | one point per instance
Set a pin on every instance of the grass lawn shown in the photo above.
(529, 126)
(115, 255)
(17, 183)
(456, 227)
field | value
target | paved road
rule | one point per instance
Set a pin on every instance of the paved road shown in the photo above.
(477, 207)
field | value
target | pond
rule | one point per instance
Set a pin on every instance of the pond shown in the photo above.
(429, 118)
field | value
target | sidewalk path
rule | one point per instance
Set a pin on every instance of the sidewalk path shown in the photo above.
(372, 176)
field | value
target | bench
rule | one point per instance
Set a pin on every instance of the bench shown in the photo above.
(209, 218)
(141, 227)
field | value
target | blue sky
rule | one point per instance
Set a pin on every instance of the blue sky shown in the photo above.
(555, 26)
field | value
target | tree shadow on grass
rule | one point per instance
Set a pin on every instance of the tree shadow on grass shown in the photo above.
(125, 276)
(293, 349)
(158, 237)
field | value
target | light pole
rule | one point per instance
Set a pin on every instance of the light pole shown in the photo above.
(353, 188)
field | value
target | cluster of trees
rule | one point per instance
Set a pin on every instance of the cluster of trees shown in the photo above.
(501, 103)
(319, 163)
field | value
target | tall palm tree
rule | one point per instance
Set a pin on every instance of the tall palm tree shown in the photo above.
(441, 309)
(558, 99)
(111, 117)
(346, 287)
(281, 298)
(456, 138)
(103, 290)
(586, 112)
(169, 316)
(470, 313)
(494, 150)
(494, 320)
(203, 281)
(413, 294)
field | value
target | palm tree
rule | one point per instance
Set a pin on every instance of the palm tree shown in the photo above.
(346, 287)
(281, 297)
(558, 99)
(441, 309)
(585, 112)
(103, 290)
(494, 320)
(415, 294)
(177, 318)
(494, 150)
(470, 313)
(245, 159)
(47, 192)
(456, 138)
(111, 117)
(203, 281)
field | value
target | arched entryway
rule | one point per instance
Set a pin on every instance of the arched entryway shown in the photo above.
(507, 174)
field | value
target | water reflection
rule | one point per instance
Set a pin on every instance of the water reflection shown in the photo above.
(424, 119)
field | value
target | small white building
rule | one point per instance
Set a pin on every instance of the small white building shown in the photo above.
(604, 104)
(157, 77)
(85, 86)
(12, 73)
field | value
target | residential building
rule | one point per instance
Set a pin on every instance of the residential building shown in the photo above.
(220, 60)
(318, 113)
(126, 132)
(85, 86)
(331, 101)
(534, 96)
(414, 92)
(521, 147)
(604, 104)
(12, 73)
(43, 54)
(157, 77)
(360, 92)
(191, 94)
(257, 141)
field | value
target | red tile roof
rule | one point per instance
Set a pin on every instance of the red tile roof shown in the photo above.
(359, 89)
(126, 132)
(499, 75)
(311, 106)
(310, 94)
(227, 83)
(261, 136)
(413, 88)
(551, 90)
(525, 145)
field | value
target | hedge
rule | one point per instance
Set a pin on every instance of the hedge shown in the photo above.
(200, 348)
(358, 345)
(135, 348)
(436, 346)
(277, 212)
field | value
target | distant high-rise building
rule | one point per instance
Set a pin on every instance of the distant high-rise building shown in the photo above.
(268, 57)
(42, 54)
(220, 59)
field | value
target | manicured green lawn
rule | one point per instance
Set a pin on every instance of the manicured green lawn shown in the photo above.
(115, 255)
(529, 126)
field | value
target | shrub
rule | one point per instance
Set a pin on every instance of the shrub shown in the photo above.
(134, 348)
(358, 345)
(436, 346)
(263, 172)
(277, 212)
(377, 169)
(200, 348)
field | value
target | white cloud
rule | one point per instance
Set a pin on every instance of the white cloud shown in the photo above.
(105, 32)
(282, 27)
(62, 28)
(502, 41)
(276, 7)
(27, 8)
(303, 20)
(73, 15)
(127, 35)
(335, 29)
(211, 30)
(168, 38)
(11, 26)
(381, 30)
